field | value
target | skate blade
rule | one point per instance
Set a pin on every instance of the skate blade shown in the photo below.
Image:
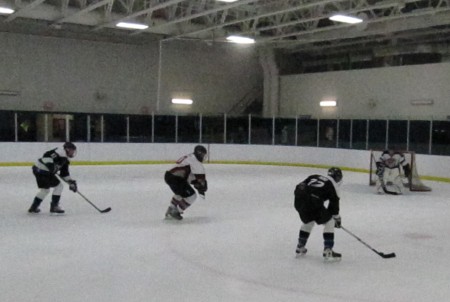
(168, 217)
(330, 260)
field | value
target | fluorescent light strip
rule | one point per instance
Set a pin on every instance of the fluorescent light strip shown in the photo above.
(328, 104)
(6, 11)
(182, 101)
(422, 102)
(131, 25)
(345, 19)
(240, 40)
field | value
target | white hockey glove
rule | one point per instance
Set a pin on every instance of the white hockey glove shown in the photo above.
(337, 221)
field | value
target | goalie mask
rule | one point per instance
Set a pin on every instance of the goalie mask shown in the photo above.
(200, 152)
(336, 174)
(71, 149)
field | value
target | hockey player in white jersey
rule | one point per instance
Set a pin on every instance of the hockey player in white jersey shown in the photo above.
(187, 172)
(392, 169)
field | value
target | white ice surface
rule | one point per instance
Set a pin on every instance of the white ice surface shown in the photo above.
(237, 245)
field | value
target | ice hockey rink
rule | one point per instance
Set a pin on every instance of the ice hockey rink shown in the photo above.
(236, 245)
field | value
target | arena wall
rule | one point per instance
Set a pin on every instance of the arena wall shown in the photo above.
(14, 154)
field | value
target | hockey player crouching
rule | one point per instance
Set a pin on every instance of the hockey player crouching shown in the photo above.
(311, 196)
(188, 171)
(390, 178)
(45, 170)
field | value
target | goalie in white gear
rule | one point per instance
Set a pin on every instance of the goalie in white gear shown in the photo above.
(392, 168)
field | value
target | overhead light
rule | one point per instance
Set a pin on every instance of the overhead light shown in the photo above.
(6, 11)
(328, 104)
(422, 102)
(240, 40)
(345, 19)
(9, 92)
(131, 25)
(229, 1)
(182, 101)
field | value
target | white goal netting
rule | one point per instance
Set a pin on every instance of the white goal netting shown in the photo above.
(414, 182)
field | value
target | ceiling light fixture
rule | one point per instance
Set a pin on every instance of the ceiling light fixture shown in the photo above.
(131, 25)
(422, 102)
(182, 101)
(240, 40)
(6, 11)
(345, 19)
(328, 104)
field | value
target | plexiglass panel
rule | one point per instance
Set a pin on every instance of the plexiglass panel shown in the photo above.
(7, 127)
(237, 130)
(261, 131)
(79, 128)
(377, 134)
(441, 138)
(188, 129)
(114, 128)
(165, 129)
(398, 134)
(307, 133)
(419, 136)
(27, 127)
(344, 134)
(359, 131)
(327, 133)
(213, 129)
(423, 137)
(140, 128)
(284, 131)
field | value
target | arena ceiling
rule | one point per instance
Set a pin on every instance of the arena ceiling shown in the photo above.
(299, 27)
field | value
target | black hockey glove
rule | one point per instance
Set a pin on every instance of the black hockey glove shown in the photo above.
(337, 221)
(380, 170)
(407, 170)
(200, 185)
(72, 185)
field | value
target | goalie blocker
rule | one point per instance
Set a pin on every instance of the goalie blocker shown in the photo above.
(396, 170)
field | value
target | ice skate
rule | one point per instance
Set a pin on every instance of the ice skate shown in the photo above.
(300, 250)
(56, 210)
(173, 212)
(33, 210)
(331, 256)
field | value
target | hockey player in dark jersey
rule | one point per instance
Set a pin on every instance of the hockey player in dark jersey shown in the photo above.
(187, 172)
(311, 196)
(45, 169)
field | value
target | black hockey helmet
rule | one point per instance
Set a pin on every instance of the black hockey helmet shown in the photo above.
(200, 152)
(336, 174)
(70, 148)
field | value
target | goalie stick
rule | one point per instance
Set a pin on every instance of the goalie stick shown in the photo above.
(385, 190)
(383, 255)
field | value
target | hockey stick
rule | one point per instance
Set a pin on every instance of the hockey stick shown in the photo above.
(101, 211)
(383, 255)
(85, 198)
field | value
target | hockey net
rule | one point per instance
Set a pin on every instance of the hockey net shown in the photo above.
(414, 183)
